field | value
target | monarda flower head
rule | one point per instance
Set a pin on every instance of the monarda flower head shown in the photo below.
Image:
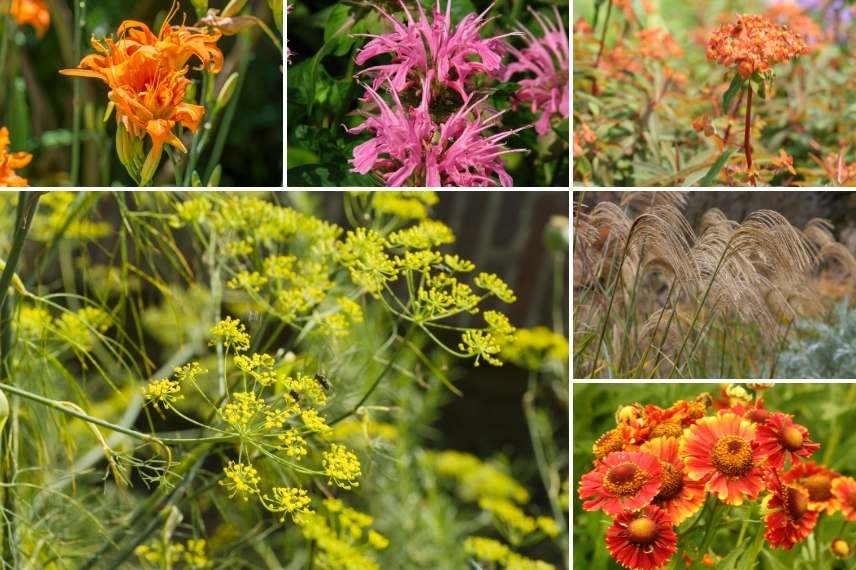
(432, 47)
(10, 161)
(546, 62)
(410, 147)
(752, 43)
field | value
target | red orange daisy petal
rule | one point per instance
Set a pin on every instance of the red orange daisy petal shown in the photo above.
(642, 540)
(679, 495)
(623, 481)
(779, 438)
(789, 519)
(844, 491)
(816, 480)
(721, 452)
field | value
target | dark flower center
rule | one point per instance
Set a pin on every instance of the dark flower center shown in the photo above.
(796, 503)
(608, 442)
(673, 482)
(625, 479)
(667, 429)
(819, 487)
(732, 456)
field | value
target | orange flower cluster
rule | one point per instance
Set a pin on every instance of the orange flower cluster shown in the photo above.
(655, 43)
(146, 75)
(797, 19)
(753, 43)
(655, 469)
(11, 161)
(583, 137)
(33, 13)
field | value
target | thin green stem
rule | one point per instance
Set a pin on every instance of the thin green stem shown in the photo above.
(228, 116)
(380, 376)
(77, 104)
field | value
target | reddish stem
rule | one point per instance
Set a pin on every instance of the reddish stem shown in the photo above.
(747, 142)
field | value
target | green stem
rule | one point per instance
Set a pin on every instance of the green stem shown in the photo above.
(226, 122)
(27, 204)
(379, 377)
(65, 408)
(547, 472)
(77, 104)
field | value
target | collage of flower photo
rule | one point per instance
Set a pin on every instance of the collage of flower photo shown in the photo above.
(713, 362)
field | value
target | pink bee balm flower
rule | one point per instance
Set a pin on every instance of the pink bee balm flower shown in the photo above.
(423, 46)
(547, 59)
(408, 146)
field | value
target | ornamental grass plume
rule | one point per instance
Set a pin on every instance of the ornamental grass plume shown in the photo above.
(10, 161)
(546, 58)
(409, 147)
(33, 13)
(752, 44)
(146, 74)
(719, 449)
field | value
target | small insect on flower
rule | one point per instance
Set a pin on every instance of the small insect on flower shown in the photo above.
(11, 161)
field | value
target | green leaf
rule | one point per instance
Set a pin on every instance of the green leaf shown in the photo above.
(201, 7)
(297, 156)
(747, 561)
(733, 90)
(713, 173)
(276, 8)
(326, 175)
(337, 18)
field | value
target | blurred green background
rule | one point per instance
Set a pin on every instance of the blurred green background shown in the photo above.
(36, 101)
(827, 410)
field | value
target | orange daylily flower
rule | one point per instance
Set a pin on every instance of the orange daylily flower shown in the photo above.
(146, 76)
(32, 12)
(11, 161)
